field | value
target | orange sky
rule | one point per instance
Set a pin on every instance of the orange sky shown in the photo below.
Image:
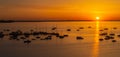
(59, 9)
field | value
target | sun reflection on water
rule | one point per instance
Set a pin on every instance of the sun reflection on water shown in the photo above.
(95, 52)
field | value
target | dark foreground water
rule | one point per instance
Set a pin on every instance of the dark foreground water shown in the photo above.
(69, 46)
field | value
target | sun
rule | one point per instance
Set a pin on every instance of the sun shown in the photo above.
(97, 18)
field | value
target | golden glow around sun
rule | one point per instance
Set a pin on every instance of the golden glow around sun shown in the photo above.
(97, 18)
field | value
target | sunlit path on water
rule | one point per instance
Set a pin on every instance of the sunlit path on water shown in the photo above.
(95, 52)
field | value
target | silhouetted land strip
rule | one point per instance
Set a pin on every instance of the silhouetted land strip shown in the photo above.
(11, 21)
(6, 21)
(60, 20)
(51, 20)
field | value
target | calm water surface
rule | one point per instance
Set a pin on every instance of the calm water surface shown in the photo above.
(67, 47)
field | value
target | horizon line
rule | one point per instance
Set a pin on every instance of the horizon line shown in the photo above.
(50, 20)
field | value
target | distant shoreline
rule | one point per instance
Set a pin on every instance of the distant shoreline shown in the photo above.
(12, 21)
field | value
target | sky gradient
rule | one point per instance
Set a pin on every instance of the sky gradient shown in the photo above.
(59, 9)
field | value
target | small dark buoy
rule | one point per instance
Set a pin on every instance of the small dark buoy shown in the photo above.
(118, 35)
(1, 35)
(65, 35)
(31, 30)
(81, 27)
(112, 34)
(26, 34)
(114, 28)
(79, 38)
(105, 28)
(78, 30)
(68, 29)
(114, 41)
(54, 28)
(27, 41)
(111, 37)
(61, 37)
(48, 38)
(101, 30)
(89, 27)
(101, 39)
(33, 39)
(103, 34)
(106, 38)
